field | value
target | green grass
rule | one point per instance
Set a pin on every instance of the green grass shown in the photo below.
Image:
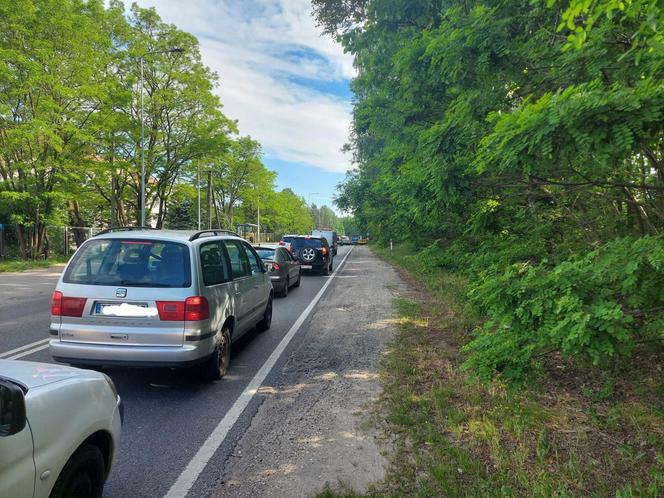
(570, 432)
(14, 265)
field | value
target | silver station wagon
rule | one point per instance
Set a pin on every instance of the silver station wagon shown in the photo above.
(159, 298)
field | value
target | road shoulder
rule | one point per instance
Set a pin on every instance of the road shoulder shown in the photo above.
(311, 429)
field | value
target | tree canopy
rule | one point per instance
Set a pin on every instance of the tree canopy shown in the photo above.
(70, 124)
(526, 139)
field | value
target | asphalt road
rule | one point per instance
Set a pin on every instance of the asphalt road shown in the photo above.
(168, 413)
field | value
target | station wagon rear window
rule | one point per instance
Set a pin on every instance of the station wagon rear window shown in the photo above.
(302, 242)
(265, 253)
(130, 263)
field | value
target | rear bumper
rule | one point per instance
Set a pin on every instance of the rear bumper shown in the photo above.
(131, 356)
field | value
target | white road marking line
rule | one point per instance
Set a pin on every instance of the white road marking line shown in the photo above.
(189, 475)
(26, 353)
(21, 348)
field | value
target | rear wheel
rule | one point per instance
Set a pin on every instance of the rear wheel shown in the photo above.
(216, 366)
(284, 291)
(83, 475)
(299, 277)
(265, 323)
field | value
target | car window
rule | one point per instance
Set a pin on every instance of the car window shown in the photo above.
(130, 263)
(213, 264)
(282, 256)
(237, 258)
(254, 261)
(302, 242)
(265, 253)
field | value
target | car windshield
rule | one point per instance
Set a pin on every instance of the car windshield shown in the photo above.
(302, 242)
(265, 253)
(130, 263)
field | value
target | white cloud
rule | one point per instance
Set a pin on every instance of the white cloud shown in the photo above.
(262, 51)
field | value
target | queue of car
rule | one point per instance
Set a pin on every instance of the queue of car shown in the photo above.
(135, 297)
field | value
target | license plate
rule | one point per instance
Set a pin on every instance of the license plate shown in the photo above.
(99, 307)
(306, 267)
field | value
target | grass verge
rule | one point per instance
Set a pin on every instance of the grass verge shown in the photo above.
(572, 431)
(13, 265)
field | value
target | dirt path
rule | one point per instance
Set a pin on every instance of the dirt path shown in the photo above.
(311, 428)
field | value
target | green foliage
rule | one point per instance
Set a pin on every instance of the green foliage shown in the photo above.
(70, 122)
(527, 140)
(597, 307)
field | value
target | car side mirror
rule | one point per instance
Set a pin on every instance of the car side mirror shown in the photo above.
(12, 409)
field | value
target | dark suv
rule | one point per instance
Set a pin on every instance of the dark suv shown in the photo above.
(313, 253)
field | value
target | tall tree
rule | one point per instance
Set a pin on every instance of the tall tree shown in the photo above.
(53, 83)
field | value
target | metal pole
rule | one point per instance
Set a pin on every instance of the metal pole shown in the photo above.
(142, 152)
(258, 223)
(198, 184)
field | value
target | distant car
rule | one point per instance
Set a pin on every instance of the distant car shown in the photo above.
(161, 298)
(344, 240)
(286, 241)
(283, 268)
(59, 430)
(314, 253)
(331, 237)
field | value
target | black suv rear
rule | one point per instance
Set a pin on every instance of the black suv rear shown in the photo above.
(313, 253)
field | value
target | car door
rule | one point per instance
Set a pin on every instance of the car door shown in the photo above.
(259, 295)
(17, 467)
(217, 281)
(293, 265)
(243, 285)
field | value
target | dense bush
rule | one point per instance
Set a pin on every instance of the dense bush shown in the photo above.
(595, 307)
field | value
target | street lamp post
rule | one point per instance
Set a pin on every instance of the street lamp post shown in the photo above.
(173, 50)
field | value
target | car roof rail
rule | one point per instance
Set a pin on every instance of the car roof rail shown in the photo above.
(213, 232)
(123, 229)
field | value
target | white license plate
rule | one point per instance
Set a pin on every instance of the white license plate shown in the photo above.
(306, 267)
(99, 307)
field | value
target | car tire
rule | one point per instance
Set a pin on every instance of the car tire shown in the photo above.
(331, 266)
(326, 270)
(217, 364)
(299, 277)
(284, 290)
(266, 322)
(83, 475)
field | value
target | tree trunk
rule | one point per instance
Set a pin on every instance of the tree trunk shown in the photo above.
(77, 221)
(216, 210)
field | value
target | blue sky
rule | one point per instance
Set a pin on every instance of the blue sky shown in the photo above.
(287, 85)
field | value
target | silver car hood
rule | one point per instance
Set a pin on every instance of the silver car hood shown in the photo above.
(32, 374)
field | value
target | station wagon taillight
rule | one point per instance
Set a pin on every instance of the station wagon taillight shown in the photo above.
(67, 306)
(193, 309)
(324, 251)
(170, 311)
(196, 308)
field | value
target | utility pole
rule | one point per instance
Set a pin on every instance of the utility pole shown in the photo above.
(258, 223)
(198, 187)
(209, 199)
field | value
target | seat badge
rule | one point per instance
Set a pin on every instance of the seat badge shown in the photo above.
(121, 292)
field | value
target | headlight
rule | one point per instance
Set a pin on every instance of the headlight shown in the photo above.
(111, 384)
